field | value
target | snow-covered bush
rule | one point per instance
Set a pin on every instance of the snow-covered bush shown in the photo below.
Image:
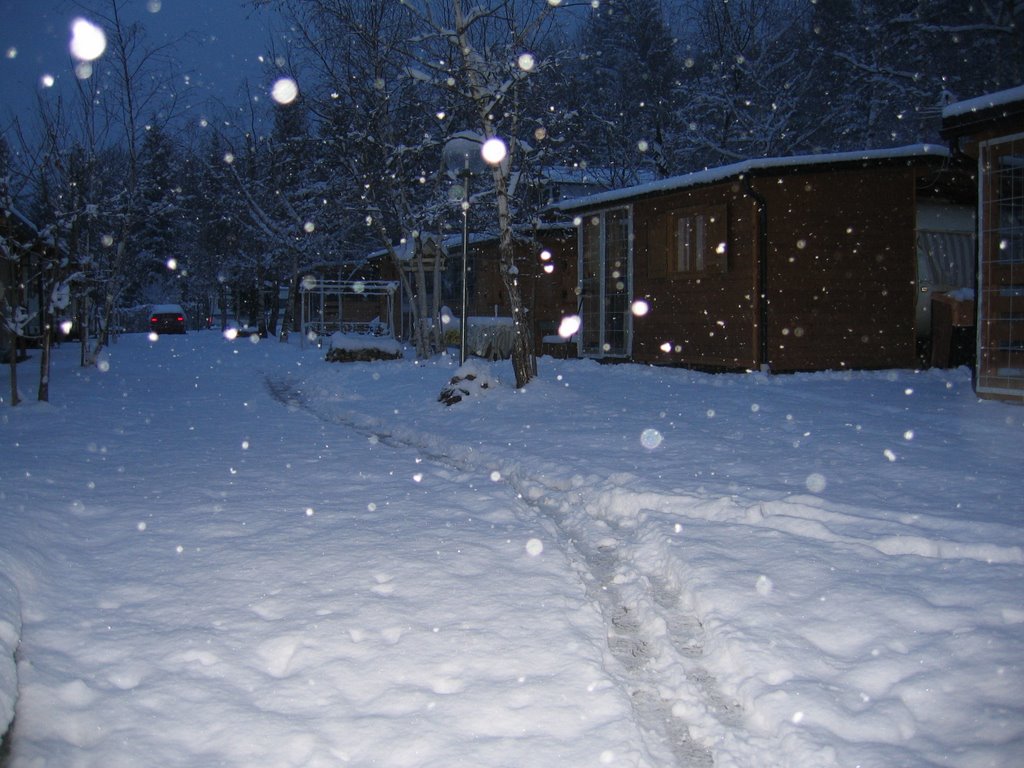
(346, 348)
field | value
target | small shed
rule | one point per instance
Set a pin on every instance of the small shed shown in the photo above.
(781, 264)
(545, 260)
(990, 131)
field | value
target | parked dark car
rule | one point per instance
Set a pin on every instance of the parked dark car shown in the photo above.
(167, 318)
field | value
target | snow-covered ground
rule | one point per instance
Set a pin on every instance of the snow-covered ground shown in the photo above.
(233, 553)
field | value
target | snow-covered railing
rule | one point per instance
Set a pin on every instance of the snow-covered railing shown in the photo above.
(328, 328)
(323, 307)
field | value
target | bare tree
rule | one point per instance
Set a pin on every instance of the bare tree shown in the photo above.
(745, 80)
(13, 314)
(139, 80)
(53, 182)
(628, 60)
(490, 74)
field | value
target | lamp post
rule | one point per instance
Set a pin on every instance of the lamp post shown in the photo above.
(463, 160)
(467, 154)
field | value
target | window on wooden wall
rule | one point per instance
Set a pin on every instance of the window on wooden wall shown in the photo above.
(690, 241)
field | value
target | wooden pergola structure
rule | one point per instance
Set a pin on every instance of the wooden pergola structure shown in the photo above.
(363, 307)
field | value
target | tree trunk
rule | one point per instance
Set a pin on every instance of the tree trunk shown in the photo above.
(106, 320)
(82, 326)
(43, 395)
(261, 305)
(407, 288)
(275, 310)
(524, 359)
(423, 346)
(437, 331)
(109, 298)
(222, 297)
(8, 310)
(13, 359)
(410, 294)
(289, 308)
(524, 362)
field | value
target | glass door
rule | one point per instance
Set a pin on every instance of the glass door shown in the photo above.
(1001, 269)
(605, 284)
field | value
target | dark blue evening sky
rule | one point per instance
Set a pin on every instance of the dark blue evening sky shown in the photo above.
(225, 39)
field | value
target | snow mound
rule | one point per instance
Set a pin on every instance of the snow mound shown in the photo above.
(10, 632)
(471, 379)
(346, 347)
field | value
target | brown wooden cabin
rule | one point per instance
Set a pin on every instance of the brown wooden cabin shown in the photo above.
(788, 264)
(546, 264)
(990, 131)
(545, 259)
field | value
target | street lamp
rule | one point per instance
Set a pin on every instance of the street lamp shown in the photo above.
(467, 154)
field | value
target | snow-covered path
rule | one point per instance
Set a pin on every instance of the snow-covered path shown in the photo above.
(816, 569)
(208, 578)
(242, 552)
(628, 647)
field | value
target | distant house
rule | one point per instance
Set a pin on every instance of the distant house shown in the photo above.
(990, 130)
(558, 183)
(546, 272)
(545, 259)
(787, 264)
(19, 263)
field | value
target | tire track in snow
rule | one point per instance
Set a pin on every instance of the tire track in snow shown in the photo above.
(631, 601)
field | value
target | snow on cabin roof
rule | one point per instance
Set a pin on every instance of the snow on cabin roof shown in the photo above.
(597, 175)
(710, 175)
(405, 249)
(986, 101)
(453, 241)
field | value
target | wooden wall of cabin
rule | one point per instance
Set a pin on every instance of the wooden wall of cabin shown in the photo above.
(549, 284)
(841, 269)
(548, 296)
(702, 318)
(487, 291)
